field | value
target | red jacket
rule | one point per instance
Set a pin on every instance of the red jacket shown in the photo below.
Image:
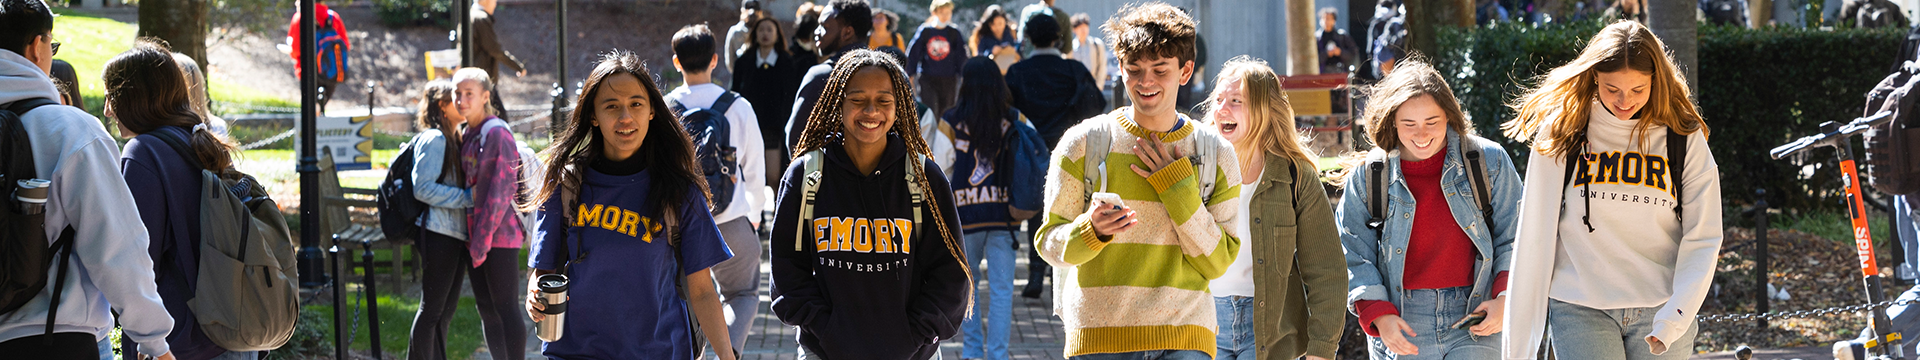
(293, 31)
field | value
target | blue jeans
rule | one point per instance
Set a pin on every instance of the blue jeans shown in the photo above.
(1235, 339)
(1147, 355)
(996, 246)
(1431, 313)
(1905, 319)
(1581, 332)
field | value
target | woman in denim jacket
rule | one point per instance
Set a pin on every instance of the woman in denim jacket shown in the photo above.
(1438, 251)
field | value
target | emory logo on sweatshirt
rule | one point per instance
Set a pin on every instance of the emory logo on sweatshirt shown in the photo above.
(613, 218)
(1624, 168)
(863, 235)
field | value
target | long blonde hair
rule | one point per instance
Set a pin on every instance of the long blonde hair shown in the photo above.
(1553, 116)
(1269, 122)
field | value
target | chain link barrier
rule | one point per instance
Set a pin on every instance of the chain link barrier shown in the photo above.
(1837, 310)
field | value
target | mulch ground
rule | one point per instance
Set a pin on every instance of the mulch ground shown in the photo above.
(1816, 273)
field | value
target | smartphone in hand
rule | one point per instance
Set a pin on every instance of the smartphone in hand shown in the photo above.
(1108, 202)
(1470, 320)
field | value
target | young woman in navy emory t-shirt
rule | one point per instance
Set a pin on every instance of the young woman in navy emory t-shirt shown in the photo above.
(602, 224)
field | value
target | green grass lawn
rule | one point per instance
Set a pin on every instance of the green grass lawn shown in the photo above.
(396, 320)
(88, 42)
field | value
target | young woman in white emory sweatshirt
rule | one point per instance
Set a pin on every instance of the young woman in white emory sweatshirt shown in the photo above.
(1641, 269)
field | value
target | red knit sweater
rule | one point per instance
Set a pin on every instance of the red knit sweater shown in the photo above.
(1439, 255)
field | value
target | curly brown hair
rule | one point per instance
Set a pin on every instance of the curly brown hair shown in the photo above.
(825, 124)
(1149, 31)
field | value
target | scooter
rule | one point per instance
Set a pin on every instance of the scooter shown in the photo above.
(1835, 135)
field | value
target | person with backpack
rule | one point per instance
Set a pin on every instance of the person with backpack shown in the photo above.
(490, 160)
(866, 241)
(727, 142)
(147, 94)
(331, 49)
(441, 240)
(1428, 224)
(1055, 93)
(1143, 207)
(1297, 248)
(624, 215)
(69, 263)
(1889, 162)
(998, 168)
(1619, 228)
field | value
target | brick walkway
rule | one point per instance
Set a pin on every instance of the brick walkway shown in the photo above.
(1036, 334)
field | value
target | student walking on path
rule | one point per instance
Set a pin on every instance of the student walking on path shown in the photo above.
(624, 214)
(866, 242)
(1135, 228)
(739, 217)
(1428, 225)
(149, 96)
(1620, 224)
(1292, 254)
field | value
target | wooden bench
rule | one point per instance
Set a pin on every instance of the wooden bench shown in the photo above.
(335, 219)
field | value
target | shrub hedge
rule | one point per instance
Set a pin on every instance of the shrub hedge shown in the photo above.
(1758, 88)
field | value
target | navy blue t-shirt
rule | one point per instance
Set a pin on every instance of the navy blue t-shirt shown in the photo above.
(621, 300)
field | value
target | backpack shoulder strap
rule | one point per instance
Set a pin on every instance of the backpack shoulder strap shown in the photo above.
(914, 165)
(1676, 165)
(1097, 143)
(1477, 172)
(725, 101)
(1376, 191)
(809, 186)
(1206, 152)
(20, 108)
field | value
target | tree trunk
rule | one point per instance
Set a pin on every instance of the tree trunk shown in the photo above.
(181, 23)
(1302, 57)
(1759, 13)
(1426, 17)
(1673, 21)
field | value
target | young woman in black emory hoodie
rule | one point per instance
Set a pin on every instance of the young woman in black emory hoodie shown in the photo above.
(864, 277)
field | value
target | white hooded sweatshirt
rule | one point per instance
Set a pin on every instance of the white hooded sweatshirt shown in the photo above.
(1637, 255)
(110, 264)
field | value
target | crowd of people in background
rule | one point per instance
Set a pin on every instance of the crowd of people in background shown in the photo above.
(905, 173)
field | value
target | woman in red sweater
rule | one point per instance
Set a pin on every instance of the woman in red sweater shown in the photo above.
(1428, 223)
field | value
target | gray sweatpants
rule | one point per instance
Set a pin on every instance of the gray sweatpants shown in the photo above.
(739, 277)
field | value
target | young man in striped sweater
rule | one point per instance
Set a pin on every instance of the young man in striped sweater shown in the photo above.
(1134, 271)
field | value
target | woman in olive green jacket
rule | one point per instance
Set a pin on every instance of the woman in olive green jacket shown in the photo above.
(1285, 295)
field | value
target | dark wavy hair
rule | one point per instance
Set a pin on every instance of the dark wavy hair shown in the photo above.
(984, 101)
(147, 91)
(666, 145)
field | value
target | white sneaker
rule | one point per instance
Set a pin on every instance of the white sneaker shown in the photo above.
(1846, 350)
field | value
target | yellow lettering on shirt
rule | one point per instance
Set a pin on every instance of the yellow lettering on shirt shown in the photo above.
(862, 236)
(588, 216)
(629, 222)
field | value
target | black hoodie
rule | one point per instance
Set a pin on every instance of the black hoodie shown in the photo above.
(860, 298)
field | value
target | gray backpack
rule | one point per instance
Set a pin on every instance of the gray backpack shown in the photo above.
(245, 296)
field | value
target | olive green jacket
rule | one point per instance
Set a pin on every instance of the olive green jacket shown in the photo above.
(1296, 249)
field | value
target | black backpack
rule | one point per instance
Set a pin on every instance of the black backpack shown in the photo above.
(712, 146)
(25, 255)
(399, 210)
(1892, 163)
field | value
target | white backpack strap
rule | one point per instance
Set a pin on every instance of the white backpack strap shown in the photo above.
(808, 187)
(1206, 152)
(913, 187)
(1098, 142)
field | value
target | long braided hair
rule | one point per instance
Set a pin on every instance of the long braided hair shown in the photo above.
(825, 123)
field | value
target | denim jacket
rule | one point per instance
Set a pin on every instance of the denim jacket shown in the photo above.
(447, 204)
(1375, 266)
